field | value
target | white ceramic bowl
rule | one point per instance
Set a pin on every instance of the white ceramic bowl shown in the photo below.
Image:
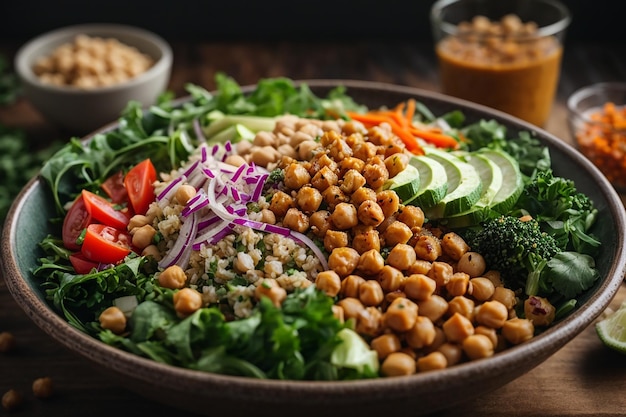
(81, 111)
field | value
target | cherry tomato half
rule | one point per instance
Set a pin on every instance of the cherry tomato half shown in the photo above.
(139, 185)
(105, 244)
(104, 212)
(81, 264)
(76, 220)
(115, 189)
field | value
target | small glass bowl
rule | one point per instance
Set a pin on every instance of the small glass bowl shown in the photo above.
(597, 121)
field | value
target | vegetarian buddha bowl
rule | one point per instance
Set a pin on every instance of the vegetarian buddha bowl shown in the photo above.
(356, 247)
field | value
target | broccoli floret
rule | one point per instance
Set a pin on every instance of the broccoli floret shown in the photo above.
(518, 249)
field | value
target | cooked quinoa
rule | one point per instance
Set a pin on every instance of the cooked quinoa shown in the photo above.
(324, 183)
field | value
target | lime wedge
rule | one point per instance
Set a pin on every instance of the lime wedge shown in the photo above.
(612, 329)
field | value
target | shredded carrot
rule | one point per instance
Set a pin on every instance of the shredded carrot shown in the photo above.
(603, 142)
(400, 118)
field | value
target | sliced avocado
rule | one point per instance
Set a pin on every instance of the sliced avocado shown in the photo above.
(406, 183)
(512, 183)
(464, 185)
(433, 182)
(492, 179)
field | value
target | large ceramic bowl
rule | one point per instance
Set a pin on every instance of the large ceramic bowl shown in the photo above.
(219, 395)
(82, 110)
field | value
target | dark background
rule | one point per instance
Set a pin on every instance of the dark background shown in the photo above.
(312, 20)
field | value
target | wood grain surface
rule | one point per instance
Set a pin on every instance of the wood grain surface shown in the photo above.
(582, 379)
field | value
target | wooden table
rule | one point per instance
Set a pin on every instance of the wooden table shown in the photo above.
(584, 378)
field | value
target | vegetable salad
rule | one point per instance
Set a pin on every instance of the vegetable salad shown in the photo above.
(283, 235)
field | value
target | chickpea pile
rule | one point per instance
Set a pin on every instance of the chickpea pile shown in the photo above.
(90, 62)
(506, 41)
(419, 295)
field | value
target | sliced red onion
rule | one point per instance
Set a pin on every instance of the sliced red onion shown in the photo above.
(171, 187)
(198, 130)
(226, 230)
(307, 241)
(238, 173)
(179, 253)
(208, 221)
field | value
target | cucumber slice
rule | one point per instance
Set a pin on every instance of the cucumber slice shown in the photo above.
(512, 184)
(433, 182)
(464, 185)
(406, 184)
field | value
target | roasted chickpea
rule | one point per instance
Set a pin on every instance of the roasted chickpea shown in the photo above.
(462, 305)
(432, 362)
(397, 233)
(452, 351)
(389, 202)
(335, 239)
(401, 314)
(350, 286)
(390, 278)
(454, 245)
(12, 400)
(386, 344)
(419, 287)
(472, 263)
(344, 216)
(434, 307)
(142, 236)
(267, 287)
(280, 203)
(371, 293)
(42, 387)
(7, 342)
(402, 256)
(328, 282)
(370, 213)
(517, 330)
(412, 216)
(366, 240)
(296, 176)
(477, 346)
(428, 248)
(296, 220)
(481, 288)
(184, 193)
(113, 319)
(506, 296)
(324, 178)
(138, 220)
(308, 199)
(398, 364)
(351, 307)
(319, 222)
(441, 272)
(458, 284)
(422, 333)
(173, 277)
(362, 194)
(492, 314)
(457, 328)
(343, 261)
(352, 181)
(371, 262)
(369, 321)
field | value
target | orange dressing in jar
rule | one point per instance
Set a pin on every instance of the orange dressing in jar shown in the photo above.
(503, 65)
